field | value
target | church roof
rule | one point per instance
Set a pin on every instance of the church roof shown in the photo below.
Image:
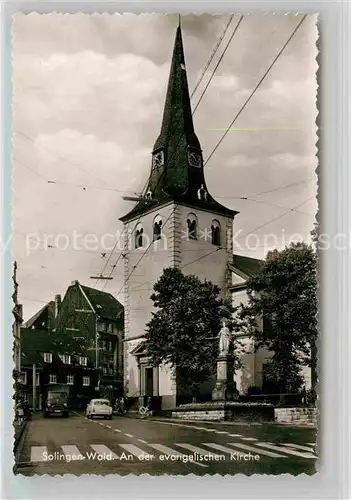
(179, 175)
(177, 115)
(247, 266)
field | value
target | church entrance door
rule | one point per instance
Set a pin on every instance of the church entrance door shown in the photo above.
(149, 381)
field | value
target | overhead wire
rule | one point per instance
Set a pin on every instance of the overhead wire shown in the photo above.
(244, 106)
(144, 253)
(181, 136)
(218, 63)
(212, 56)
(56, 154)
(256, 88)
(275, 218)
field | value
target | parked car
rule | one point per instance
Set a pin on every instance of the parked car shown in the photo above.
(99, 408)
(56, 403)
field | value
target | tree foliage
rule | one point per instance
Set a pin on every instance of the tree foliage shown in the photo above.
(183, 329)
(284, 295)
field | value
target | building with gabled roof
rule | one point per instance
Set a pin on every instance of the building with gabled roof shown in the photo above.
(94, 319)
(48, 360)
(44, 318)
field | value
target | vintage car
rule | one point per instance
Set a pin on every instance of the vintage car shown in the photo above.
(99, 408)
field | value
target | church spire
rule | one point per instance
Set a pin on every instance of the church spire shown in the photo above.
(177, 171)
(177, 137)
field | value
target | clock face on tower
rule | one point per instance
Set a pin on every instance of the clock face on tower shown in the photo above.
(158, 159)
(194, 159)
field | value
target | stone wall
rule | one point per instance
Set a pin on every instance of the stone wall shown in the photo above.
(199, 415)
(296, 416)
(229, 412)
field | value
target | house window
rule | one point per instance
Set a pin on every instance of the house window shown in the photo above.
(139, 236)
(104, 370)
(192, 226)
(65, 358)
(52, 379)
(110, 327)
(37, 379)
(70, 379)
(86, 381)
(215, 233)
(23, 378)
(47, 357)
(157, 225)
(110, 346)
(83, 360)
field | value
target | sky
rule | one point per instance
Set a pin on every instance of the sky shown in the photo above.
(88, 97)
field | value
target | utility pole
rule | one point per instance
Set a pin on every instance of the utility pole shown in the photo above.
(34, 387)
(96, 343)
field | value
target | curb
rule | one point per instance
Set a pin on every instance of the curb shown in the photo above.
(18, 444)
(20, 434)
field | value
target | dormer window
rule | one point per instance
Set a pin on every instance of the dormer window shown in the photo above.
(83, 360)
(47, 357)
(216, 233)
(139, 236)
(157, 228)
(65, 358)
(202, 193)
(158, 159)
(192, 227)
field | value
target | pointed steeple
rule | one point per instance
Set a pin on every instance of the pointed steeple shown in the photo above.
(177, 134)
(177, 171)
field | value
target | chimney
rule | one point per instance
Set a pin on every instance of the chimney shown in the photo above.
(57, 304)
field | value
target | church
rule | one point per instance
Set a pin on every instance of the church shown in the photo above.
(177, 223)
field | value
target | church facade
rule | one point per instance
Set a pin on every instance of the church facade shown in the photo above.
(176, 222)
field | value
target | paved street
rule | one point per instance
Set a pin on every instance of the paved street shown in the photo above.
(124, 445)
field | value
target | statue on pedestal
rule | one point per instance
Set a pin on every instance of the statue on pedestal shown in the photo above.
(224, 339)
(225, 388)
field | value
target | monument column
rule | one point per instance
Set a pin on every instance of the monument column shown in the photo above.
(225, 388)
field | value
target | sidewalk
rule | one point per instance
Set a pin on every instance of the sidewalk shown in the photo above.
(230, 422)
(18, 431)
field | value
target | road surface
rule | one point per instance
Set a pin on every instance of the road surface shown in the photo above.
(123, 446)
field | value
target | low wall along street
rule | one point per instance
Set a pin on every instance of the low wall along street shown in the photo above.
(296, 416)
(246, 412)
(225, 411)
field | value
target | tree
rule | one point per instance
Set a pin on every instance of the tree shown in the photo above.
(183, 330)
(284, 295)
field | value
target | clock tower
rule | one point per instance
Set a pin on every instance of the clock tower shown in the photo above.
(176, 222)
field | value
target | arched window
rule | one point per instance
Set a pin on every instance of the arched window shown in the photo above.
(139, 236)
(215, 233)
(157, 228)
(192, 226)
